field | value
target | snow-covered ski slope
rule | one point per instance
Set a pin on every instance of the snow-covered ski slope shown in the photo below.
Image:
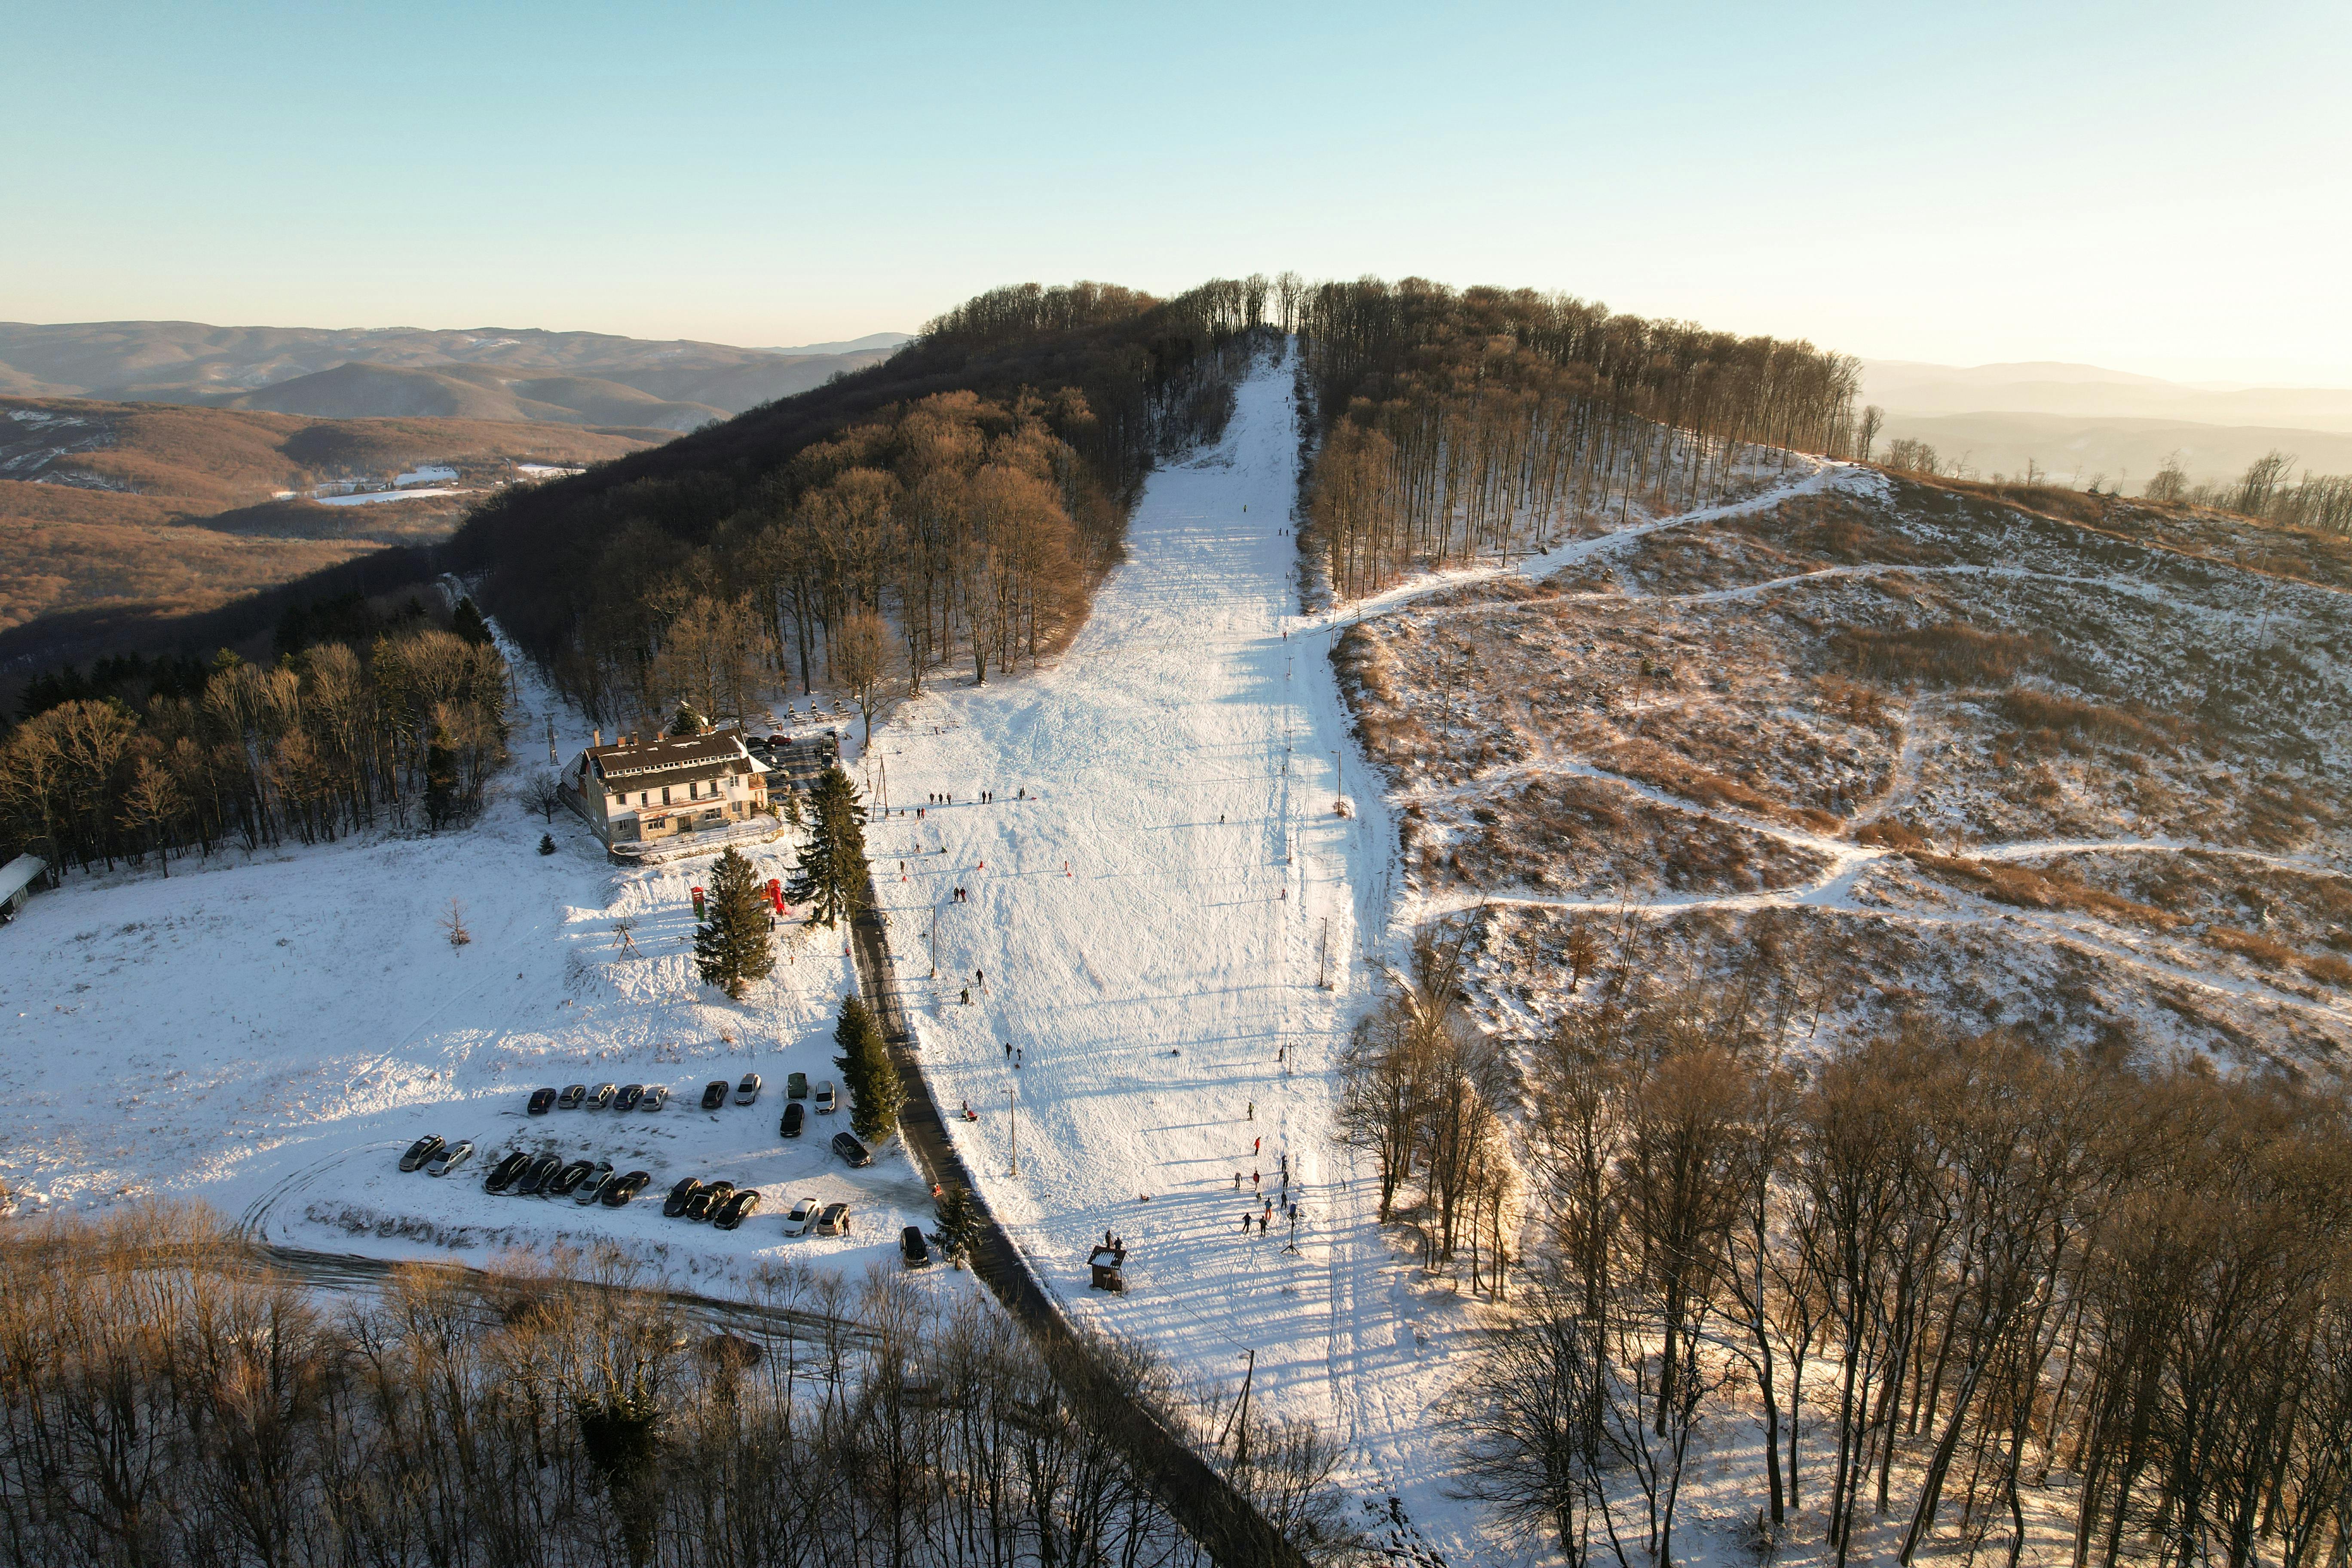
(1183, 761)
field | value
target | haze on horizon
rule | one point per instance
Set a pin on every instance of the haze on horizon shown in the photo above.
(2152, 188)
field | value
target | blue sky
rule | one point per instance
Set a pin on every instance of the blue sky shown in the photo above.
(2165, 188)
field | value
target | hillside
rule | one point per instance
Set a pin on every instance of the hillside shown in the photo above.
(188, 362)
(169, 509)
(1997, 759)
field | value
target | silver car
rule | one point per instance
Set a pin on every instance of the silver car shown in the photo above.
(802, 1216)
(593, 1186)
(657, 1096)
(450, 1158)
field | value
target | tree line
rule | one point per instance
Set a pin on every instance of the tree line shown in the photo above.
(950, 510)
(1939, 1268)
(177, 757)
(2268, 489)
(167, 1398)
(1452, 425)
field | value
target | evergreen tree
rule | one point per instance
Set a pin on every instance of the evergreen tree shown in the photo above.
(547, 843)
(468, 623)
(829, 877)
(730, 945)
(875, 1089)
(684, 721)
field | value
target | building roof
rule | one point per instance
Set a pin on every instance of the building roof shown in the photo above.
(18, 874)
(665, 753)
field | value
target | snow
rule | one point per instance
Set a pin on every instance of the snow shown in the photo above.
(427, 474)
(266, 1033)
(1181, 759)
(368, 497)
(545, 470)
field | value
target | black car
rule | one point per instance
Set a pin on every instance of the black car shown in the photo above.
(794, 1114)
(574, 1093)
(680, 1196)
(851, 1150)
(630, 1094)
(714, 1094)
(620, 1190)
(537, 1175)
(912, 1249)
(542, 1100)
(567, 1180)
(424, 1148)
(738, 1209)
(704, 1203)
(502, 1174)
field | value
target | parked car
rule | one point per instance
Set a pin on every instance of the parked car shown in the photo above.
(450, 1158)
(542, 1100)
(567, 1181)
(748, 1089)
(617, 1192)
(736, 1209)
(591, 1186)
(834, 1221)
(911, 1250)
(627, 1098)
(794, 1114)
(680, 1196)
(704, 1203)
(802, 1215)
(796, 1085)
(574, 1093)
(657, 1096)
(600, 1097)
(424, 1148)
(826, 1102)
(537, 1175)
(714, 1094)
(847, 1146)
(502, 1174)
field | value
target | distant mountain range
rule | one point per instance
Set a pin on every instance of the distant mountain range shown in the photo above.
(2079, 422)
(499, 373)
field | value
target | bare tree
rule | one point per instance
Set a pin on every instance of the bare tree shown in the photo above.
(544, 795)
(861, 658)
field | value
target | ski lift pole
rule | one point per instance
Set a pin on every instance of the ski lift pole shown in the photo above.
(1012, 1104)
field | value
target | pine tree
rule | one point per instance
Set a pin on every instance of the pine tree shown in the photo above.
(829, 877)
(547, 843)
(730, 946)
(468, 623)
(875, 1089)
(684, 721)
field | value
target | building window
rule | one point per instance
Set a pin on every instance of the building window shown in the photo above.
(664, 795)
(641, 797)
(694, 792)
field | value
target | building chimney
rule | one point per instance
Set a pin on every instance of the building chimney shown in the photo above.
(599, 733)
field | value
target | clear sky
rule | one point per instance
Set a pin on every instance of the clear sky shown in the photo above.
(2159, 187)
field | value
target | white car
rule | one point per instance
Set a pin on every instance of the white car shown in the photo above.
(802, 1215)
(825, 1098)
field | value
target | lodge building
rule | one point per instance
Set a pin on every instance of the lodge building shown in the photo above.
(634, 790)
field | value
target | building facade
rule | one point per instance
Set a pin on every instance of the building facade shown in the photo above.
(638, 790)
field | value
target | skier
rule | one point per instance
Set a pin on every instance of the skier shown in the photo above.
(967, 995)
(1237, 1180)
(1245, 1219)
(1253, 1109)
(1261, 1225)
(1253, 1180)
(1255, 1144)
(1008, 1051)
(1018, 1052)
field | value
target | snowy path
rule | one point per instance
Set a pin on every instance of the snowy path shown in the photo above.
(1179, 760)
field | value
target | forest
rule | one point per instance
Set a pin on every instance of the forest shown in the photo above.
(167, 1397)
(1954, 1279)
(365, 719)
(1448, 424)
(969, 492)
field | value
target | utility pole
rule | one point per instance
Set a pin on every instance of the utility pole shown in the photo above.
(935, 938)
(1013, 1105)
(1323, 956)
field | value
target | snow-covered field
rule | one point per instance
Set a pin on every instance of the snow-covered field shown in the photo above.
(268, 1034)
(1150, 922)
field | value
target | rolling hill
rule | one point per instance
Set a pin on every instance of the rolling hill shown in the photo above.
(189, 362)
(140, 507)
